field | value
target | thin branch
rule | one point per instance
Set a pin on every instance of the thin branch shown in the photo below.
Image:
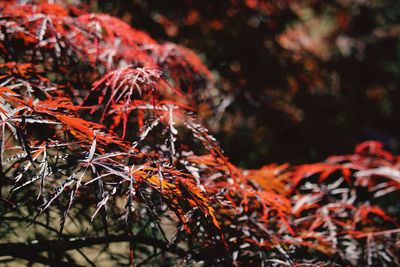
(35, 246)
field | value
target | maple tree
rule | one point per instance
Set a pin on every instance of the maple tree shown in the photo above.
(100, 133)
(280, 63)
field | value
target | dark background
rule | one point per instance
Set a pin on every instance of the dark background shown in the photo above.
(303, 79)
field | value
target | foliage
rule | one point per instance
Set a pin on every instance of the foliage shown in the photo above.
(283, 62)
(99, 132)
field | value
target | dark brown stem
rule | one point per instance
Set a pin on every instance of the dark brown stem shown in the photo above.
(35, 247)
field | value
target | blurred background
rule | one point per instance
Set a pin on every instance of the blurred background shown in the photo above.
(296, 81)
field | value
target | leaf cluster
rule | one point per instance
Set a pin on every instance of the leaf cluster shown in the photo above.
(96, 133)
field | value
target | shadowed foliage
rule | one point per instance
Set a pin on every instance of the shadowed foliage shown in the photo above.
(105, 161)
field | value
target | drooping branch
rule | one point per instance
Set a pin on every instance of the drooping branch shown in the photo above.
(35, 246)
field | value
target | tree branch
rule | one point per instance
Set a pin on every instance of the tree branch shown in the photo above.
(37, 246)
